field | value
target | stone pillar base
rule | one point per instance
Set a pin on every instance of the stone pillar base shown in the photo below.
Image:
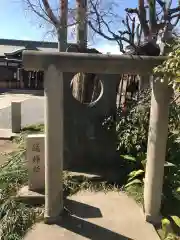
(30, 197)
(52, 220)
(154, 220)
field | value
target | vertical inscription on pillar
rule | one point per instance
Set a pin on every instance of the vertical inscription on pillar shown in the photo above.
(35, 160)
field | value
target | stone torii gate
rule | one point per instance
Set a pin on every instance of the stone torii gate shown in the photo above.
(54, 66)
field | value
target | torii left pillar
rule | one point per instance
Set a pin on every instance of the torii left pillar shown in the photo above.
(54, 144)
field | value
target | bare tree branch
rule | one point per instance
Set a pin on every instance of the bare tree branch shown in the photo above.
(50, 13)
(133, 29)
(174, 10)
(100, 25)
(161, 3)
(34, 8)
(141, 13)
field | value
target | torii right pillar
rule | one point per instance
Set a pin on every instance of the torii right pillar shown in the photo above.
(156, 150)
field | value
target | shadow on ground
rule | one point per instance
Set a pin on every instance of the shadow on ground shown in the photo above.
(82, 210)
(89, 230)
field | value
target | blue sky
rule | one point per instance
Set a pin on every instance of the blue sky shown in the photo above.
(16, 23)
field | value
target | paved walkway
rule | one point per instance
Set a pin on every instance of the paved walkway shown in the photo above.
(98, 216)
(32, 109)
(7, 98)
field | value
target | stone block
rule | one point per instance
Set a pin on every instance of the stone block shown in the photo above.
(29, 197)
(16, 116)
(35, 161)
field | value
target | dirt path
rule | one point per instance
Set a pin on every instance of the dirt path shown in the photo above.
(6, 146)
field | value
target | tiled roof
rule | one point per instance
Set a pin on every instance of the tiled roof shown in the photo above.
(10, 46)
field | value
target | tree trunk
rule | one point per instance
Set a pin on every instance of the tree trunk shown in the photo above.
(86, 86)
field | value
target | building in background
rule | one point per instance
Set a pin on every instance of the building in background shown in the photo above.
(12, 74)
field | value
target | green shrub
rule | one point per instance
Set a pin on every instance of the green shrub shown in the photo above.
(171, 67)
(15, 217)
(132, 137)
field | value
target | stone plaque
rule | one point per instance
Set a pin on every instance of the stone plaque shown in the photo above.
(36, 162)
